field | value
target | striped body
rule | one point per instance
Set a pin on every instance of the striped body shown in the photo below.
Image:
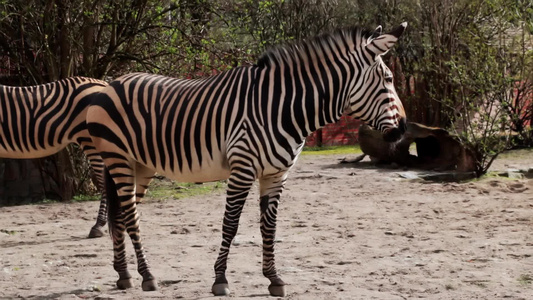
(246, 124)
(38, 121)
(178, 130)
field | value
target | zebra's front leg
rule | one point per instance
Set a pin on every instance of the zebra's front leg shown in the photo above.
(271, 189)
(238, 188)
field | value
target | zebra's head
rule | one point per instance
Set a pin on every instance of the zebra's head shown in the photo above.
(373, 98)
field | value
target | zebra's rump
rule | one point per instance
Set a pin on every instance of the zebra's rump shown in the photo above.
(38, 121)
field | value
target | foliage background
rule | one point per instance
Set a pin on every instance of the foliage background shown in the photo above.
(454, 56)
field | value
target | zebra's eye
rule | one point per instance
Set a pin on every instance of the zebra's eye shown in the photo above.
(388, 79)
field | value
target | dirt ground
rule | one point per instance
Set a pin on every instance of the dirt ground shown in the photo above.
(345, 231)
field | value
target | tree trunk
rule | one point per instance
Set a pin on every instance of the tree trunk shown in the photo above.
(319, 141)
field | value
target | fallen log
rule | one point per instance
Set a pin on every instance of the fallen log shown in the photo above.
(435, 148)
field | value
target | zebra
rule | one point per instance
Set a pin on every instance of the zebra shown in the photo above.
(245, 124)
(38, 121)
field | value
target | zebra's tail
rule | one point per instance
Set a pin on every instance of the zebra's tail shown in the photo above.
(113, 204)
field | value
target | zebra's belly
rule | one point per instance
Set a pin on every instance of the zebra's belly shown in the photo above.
(205, 174)
(209, 169)
(202, 175)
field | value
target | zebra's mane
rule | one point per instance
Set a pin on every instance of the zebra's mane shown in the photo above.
(342, 35)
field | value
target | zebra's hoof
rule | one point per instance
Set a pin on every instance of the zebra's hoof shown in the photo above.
(95, 232)
(276, 290)
(220, 289)
(149, 285)
(123, 284)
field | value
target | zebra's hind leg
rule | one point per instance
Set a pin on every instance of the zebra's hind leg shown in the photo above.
(143, 177)
(117, 229)
(97, 164)
(271, 189)
(123, 217)
(119, 248)
(96, 230)
(238, 188)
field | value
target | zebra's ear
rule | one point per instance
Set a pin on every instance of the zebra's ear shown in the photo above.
(376, 33)
(381, 44)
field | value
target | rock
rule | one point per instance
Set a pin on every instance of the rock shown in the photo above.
(449, 176)
(515, 175)
(409, 175)
(512, 174)
(104, 297)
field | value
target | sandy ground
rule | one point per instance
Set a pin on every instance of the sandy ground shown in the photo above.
(345, 232)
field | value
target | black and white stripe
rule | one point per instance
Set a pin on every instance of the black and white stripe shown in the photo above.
(38, 121)
(246, 124)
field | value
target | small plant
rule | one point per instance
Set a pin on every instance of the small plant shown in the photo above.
(354, 149)
(46, 201)
(449, 287)
(166, 189)
(480, 283)
(83, 198)
(484, 79)
(10, 232)
(525, 279)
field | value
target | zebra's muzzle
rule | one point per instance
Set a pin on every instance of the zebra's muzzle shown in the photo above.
(394, 134)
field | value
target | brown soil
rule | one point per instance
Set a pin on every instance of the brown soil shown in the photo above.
(346, 231)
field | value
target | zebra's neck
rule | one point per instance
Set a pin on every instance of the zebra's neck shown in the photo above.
(312, 94)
